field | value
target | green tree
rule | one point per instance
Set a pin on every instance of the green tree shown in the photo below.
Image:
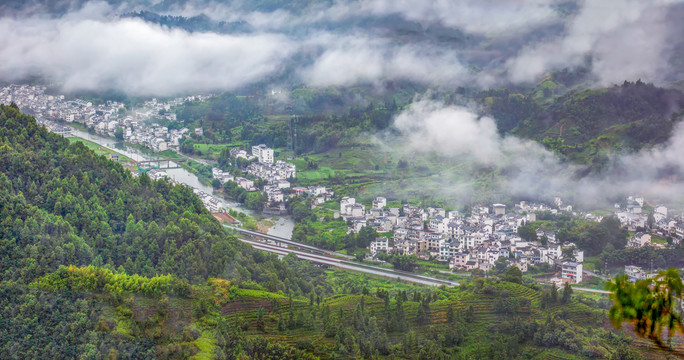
(567, 294)
(649, 304)
(651, 220)
(260, 323)
(501, 265)
(119, 134)
(513, 274)
(527, 233)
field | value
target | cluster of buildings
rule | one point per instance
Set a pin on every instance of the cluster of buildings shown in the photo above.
(224, 176)
(633, 218)
(488, 233)
(105, 119)
(631, 215)
(211, 203)
(465, 242)
(275, 174)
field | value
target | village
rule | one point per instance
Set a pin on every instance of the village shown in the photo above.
(110, 119)
(488, 233)
(275, 175)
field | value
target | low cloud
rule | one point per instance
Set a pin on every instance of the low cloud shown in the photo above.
(525, 169)
(134, 56)
(348, 60)
(623, 40)
(477, 43)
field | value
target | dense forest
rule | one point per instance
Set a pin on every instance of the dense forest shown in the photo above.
(62, 204)
(240, 121)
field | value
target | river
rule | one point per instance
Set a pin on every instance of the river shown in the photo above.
(283, 224)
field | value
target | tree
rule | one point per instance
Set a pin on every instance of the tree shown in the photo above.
(527, 233)
(513, 274)
(450, 317)
(119, 134)
(260, 323)
(567, 293)
(544, 240)
(500, 265)
(649, 304)
(650, 220)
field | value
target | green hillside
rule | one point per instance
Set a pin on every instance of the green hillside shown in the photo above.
(586, 125)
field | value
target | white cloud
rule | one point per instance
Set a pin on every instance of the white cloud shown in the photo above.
(136, 57)
(525, 168)
(626, 40)
(347, 60)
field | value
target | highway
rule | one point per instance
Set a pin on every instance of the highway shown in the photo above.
(337, 262)
(296, 244)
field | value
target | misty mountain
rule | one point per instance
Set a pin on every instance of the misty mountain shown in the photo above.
(336, 43)
(201, 23)
(584, 124)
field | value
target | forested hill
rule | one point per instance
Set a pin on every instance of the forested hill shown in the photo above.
(584, 125)
(63, 205)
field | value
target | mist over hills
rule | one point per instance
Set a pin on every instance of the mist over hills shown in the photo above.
(524, 65)
(481, 44)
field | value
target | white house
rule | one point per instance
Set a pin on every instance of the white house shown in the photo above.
(379, 202)
(634, 273)
(638, 240)
(379, 245)
(572, 270)
(499, 209)
(344, 203)
(263, 153)
(660, 213)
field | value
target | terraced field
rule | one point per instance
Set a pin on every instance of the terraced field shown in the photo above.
(297, 322)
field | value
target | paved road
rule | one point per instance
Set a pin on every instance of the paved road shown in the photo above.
(309, 248)
(591, 290)
(340, 263)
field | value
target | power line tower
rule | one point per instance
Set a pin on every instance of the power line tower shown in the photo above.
(292, 139)
(292, 131)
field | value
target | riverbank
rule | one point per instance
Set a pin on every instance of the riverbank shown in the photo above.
(99, 149)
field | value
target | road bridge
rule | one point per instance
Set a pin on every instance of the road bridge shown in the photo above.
(161, 163)
(280, 240)
(344, 264)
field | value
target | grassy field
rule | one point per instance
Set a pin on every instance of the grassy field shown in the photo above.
(169, 154)
(98, 149)
(213, 150)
